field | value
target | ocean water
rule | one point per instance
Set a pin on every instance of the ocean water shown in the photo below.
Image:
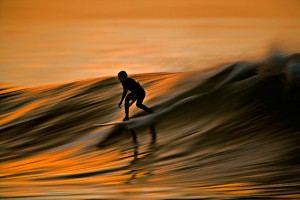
(43, 52)
(231, 132)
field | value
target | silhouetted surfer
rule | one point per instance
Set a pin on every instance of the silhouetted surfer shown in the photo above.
(137, 94)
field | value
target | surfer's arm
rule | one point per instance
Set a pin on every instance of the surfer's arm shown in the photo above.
(123, 96)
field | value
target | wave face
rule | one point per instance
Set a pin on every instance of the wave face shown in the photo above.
(230, 133)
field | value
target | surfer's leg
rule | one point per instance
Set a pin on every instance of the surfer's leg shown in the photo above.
(139, 104)
(128, 98)
(145, 108)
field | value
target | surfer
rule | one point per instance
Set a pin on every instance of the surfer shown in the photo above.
(137, 94)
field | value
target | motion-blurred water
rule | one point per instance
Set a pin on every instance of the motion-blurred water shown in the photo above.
(225, 133)
(43, 52)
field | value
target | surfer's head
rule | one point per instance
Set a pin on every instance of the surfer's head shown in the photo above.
(122, 75)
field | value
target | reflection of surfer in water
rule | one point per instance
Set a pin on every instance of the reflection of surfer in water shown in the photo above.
(137, 94)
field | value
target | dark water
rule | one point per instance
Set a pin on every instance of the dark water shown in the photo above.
(230, 133)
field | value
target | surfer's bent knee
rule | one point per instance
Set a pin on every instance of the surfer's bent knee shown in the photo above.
(139, 105)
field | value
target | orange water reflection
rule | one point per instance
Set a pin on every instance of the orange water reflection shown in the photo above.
(67, 50)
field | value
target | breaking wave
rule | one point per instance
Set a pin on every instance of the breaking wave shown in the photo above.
(226, 133)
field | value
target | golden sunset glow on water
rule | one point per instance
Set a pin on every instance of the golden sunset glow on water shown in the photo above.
(66, 40)
(220, 80)
(91, 9)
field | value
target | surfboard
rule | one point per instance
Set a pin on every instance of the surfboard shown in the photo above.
(129, 122)
(114, 123)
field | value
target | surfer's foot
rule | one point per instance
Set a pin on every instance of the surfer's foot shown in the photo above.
(126, 118)
(149, 110)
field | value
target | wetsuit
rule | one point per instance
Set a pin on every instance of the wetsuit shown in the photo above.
(137, 94)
